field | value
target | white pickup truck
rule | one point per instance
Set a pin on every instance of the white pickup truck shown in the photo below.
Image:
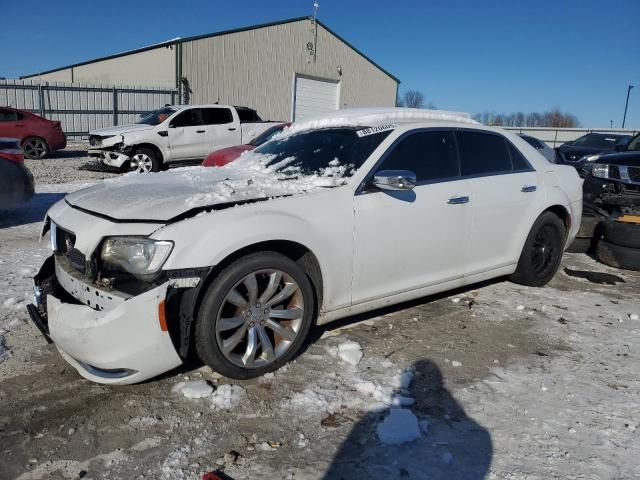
(175, 134)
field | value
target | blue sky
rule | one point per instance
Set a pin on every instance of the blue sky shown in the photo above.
(464, 55)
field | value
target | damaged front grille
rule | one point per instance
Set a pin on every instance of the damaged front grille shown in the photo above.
(65, 243)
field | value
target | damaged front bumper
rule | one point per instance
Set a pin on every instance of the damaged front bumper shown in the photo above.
(113, 158)
(107, 336)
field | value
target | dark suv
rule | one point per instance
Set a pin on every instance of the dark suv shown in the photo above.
(586, 147)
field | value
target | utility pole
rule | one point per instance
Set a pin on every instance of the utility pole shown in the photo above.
(611, 123)
(626, 105)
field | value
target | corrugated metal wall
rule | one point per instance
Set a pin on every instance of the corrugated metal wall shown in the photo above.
(82, 107)
(256, 68)
(155, 67)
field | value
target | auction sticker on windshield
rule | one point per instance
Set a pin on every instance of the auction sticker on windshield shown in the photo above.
(373, 130)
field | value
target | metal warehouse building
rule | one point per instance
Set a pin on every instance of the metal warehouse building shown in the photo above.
(286, 70)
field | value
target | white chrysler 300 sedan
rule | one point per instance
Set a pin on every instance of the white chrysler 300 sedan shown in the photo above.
(332, 217)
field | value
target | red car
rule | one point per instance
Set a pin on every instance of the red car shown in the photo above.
(38, 136)
(227, 155)
(16, 181)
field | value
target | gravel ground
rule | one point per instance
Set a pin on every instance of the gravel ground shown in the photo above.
(505, 382)
(68, 165)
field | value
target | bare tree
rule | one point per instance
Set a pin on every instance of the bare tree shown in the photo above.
(554, 118)
(413, 99)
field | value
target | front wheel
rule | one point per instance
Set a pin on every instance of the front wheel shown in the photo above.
(542, 252)
(255, 316)
(145, 160)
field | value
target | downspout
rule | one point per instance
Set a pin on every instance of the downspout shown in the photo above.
(179, 70)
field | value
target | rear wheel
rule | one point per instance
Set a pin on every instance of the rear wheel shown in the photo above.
(145, 160)
(255, 316)
(35, 148)
(542, 252)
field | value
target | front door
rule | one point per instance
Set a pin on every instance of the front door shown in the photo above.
(405, 240)
(187, 135)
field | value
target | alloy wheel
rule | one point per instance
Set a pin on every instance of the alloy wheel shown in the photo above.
(34, 148)
(141, 163)
(259, 318)
(544, 251)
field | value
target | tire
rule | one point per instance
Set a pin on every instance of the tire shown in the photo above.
(225, 346)
(617, 256)
(35, 148)
(621, 233)
(145, 160)
(580, 245)
(542, 252)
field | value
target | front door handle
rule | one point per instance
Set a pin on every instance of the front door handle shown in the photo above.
(529, 188)
(199, 131)
(458, 200)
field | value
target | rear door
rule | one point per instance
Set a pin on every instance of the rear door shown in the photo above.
(221, 130)
(405, 240)
(187, 139)
(505, 196)
(12, 124)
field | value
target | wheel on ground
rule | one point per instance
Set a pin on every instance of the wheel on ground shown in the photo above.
(542, 252)
(255, 316)
(145, 160)
(618, 256)
(621, 233)
(35, 148)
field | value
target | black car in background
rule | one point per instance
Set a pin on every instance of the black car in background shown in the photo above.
(585, 147)
(585, 164)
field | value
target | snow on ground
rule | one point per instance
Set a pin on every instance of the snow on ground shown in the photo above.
(465, 385)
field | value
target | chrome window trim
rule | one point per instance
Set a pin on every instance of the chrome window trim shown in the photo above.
(365, 185)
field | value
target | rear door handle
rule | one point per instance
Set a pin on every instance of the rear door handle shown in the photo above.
(458, 200)
(529, 188)
(199, 131)
(231, 129)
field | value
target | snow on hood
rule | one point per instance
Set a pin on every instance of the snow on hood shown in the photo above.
(165, 195)
(134, 127)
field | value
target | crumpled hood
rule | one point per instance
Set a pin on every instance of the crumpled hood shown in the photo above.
(163, 196)
(120, 129)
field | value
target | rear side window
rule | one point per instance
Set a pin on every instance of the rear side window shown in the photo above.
(216, 116)
(517, 159)
(483, 153)
(7, 116)
(188, 118)
(248, 115)
(534, 142)
(430, 155)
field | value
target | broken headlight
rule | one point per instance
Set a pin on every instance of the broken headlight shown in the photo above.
(141, 257)
(600, 170)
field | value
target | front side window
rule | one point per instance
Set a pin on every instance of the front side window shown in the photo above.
(216, 116)
(7, 116)
(430, 155)
(188, 118)
(330, 151)
(483, 153)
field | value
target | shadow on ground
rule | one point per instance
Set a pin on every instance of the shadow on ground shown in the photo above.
(451, 446)
(31, 212)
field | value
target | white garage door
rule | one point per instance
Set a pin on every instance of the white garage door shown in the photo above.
(314, 97)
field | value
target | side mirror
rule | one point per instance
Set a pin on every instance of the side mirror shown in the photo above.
(395, 180)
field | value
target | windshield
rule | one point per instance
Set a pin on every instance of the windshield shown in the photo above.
(634, 144)
(598, 141)
(330, 152)
(265, 136)
(158, 116)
